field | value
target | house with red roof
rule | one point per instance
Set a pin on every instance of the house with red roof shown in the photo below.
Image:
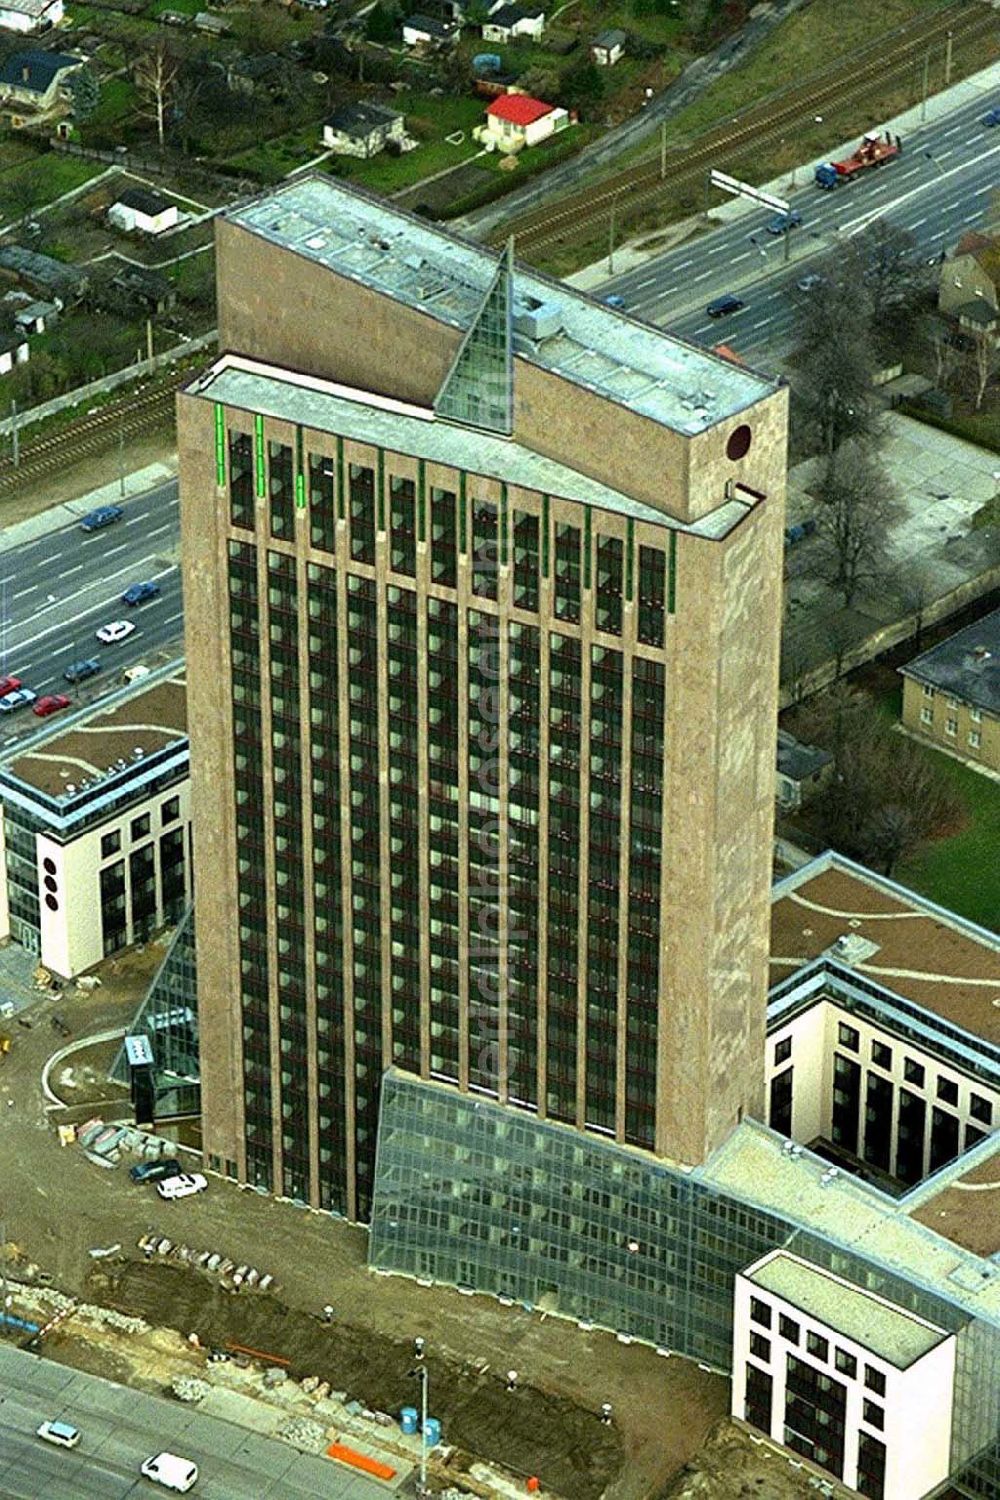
(516, 120)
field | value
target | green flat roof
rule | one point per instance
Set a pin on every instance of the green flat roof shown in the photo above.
(891, 1334)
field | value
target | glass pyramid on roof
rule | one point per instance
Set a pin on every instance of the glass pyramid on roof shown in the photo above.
(479, 388)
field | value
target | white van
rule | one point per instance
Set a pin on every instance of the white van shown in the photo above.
(177, 1474)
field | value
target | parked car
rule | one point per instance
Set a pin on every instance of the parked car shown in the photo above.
(156, 1171)
(51, 703)
(991, 119)
(104, 515)
(117, 631)
(171, 1471)
(79, 671)
(810, 281)
(132, 674)
(63, 1434)
(9, 685)
(20, 698)
(782, 223)
(182, 1186)
(138, 593)
(614, 300)
(724, 305)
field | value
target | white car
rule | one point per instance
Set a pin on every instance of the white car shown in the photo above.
(182, 1186)
(115, 632)
(60, 1433)
(177, 1474)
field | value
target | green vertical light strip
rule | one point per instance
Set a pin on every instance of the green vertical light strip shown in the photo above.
(300, 476)
(629, 557)
(260, 477)
(503, 525)
(462, 521)
(380, 489)
(220, 446)
(545, 536)
(672, 573)
(587, 520)
(340, 478)
(421, 501)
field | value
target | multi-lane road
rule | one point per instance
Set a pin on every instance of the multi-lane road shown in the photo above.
(57, 590)
(121, 1428)
(941, 186)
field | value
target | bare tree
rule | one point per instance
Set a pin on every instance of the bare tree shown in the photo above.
(833, 369)
(154, 73)
(888, 795)
(886, 260)
(982, 363)
(857, 505)
(945, 358)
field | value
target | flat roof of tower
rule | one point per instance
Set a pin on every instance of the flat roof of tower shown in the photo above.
(926, 954)
(658, 376)
(393, 425)
(884, 1330)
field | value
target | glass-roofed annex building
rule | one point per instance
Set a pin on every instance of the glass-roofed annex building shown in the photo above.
(492, 575)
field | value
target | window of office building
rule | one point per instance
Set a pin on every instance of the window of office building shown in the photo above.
(871, 1467)
(644, 885)
(403, 525)
(281, 489)
(846, 1101)
(170, 811)
(848, 1037)
(944, 1137)
(782, 1051)
(361, 495)
(760, 1312)
(567, 572)
(980, 1109)
(524, 645)
(846, 1363)
(760, 1347)
(788, 1328)
(882, 1055)
(525, 560)
(817, 1346)
(241, 488)
(606, 691)
(443, 538)
(947, 1090)
(910, 1136)
(139, 827)
(172, 887)
(913, 1072)
(485, 549)
(111, 843)
(758, 1400)
(652, 595)
(142, 881)
(874, 1380)
(322, 512)
(877, 1143)
(114, 916)
(610, 583)
(780, 1112)
(563, 773)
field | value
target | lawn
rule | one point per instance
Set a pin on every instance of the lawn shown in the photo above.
(963, 872)
(118, 100)
(430, 119)
(50, 175)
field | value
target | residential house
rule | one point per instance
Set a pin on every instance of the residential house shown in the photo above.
(951, 693)
(430, 33)
(505, 23)
(802, 770)
(363, 129)
(969, 283)
(32, 83)
(30, 15)
(211, 24)
(138, 211)
(607, 48)
(13, 350)
(516, 120)
(36, 317)
(56, 277)
(134, 289)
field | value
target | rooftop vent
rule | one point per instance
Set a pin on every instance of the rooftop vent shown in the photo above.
(538, 320)
(70, 787)
(853, 948)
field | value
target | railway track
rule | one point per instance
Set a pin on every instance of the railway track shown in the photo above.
(91, 435)
(640, 185)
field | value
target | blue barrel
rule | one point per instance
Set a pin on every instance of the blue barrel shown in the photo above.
(432, 1432)
(408, 1419)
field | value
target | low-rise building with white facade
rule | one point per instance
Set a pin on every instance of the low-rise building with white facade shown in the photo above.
(844, 1377)
(138, 211)
(95, 849)
(30, 15)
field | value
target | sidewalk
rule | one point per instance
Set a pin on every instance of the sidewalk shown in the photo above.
(65, 512)
(632, 254)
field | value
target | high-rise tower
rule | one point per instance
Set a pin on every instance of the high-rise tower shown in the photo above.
(482, 587)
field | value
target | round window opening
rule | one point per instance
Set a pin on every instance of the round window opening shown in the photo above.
(52, 903)
(49, 866)
(738, 445)
(50, 883)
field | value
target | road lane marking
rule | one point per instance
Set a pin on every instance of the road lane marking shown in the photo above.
(29, 590)
(68, 624)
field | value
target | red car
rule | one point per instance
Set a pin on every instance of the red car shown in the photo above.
(9, 685)
(50, 704)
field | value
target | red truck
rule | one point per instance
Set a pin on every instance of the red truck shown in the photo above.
(874, 151)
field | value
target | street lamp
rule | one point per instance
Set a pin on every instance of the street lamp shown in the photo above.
(420, 1373)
